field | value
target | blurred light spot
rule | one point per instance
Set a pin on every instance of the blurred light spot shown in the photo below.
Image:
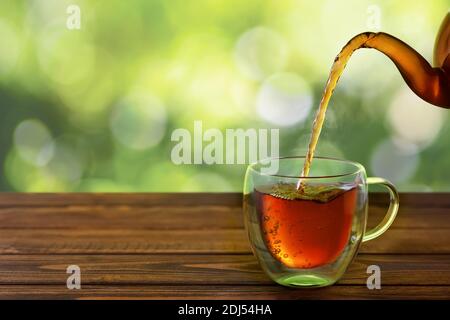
(65, 164)
(10, 48)
(206, 182)
(339, 22)
(243, 96)
(66, 57)
(88, 101)
(206, 84)
(18, 172)
(42, 11)
(26, 177)
(284, 99)
(60, 173)
(331, 121)
(34, 142)
(414, 120)
(394, 163)
(260, 52)
(139, 121)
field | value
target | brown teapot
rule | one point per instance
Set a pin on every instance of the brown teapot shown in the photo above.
(430, 83)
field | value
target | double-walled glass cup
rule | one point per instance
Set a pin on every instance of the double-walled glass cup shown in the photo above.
(309, 239)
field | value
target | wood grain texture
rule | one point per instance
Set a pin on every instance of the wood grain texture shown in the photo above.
(182, 212)
(194, 246)
(222, 292)
(173, 217)
(228, 241)
(162, 269)
(118, 199)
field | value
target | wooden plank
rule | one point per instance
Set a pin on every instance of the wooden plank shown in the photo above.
(173, 217)
(409, 199)
(408, 217)
(118, 199)
(400, 269)
(257, 292)
(395, 241)
(122, 217)
(414, 199)
(206, 269)
(122, 241)
(410, 241)
(193, 246)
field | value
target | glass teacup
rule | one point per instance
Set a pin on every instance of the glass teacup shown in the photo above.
(306, 234)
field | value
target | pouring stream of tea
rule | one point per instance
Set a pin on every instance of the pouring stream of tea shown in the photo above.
(432, 84)
(336, 70)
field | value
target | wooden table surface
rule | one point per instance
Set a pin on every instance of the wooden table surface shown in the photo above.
(193, 246)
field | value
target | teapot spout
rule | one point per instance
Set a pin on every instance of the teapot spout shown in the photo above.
(441, 50)
(432, 84)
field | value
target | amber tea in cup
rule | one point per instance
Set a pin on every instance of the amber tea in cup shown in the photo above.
(307, 237)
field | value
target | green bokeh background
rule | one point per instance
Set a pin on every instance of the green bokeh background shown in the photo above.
(93, 109)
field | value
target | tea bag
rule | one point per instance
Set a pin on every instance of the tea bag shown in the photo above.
(314, 192)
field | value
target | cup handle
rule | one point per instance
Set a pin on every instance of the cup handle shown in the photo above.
(391, 213)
